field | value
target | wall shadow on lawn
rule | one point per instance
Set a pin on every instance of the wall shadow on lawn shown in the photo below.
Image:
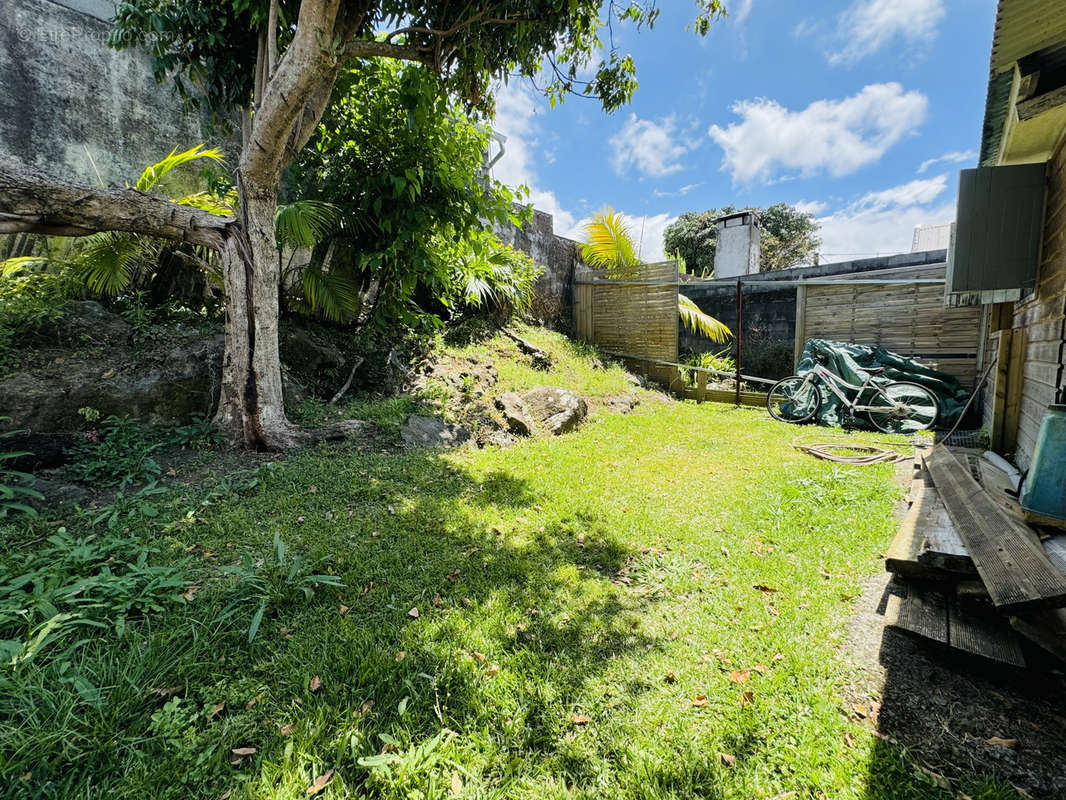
(512, 628)
(940, 707)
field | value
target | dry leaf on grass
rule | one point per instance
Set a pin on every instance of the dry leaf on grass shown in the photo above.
(225, 795)
(700, 700)
(492, 669)
(670, 677)
(727, 760)
(286, 730)
(316, 683)
(190, 593)
(251, 703)
(413, 613)
(849, 740)
(457, 784)
(778, 657)
(321, 782)
(437, 603)
(764, 589)
(740, 675)
(747, 698)
(580, 719)
(241, 752)
(481, 658)
(401, 655)
(762, 669)
(344, 609)
(218, 709)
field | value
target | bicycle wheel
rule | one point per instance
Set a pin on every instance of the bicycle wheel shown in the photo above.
(915, 408)
(794, 400)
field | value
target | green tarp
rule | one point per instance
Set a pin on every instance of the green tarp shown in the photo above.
(848, 360)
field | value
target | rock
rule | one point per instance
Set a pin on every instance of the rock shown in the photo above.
(421, 431)
(309, 355)
(46, 450)
(87, 320)
(557, 410)
(56, 493)
(179, 382)
(495, 437)
(622, 403)
(516, 414)
(397, 374)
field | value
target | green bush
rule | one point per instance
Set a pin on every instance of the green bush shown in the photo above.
(12, 495)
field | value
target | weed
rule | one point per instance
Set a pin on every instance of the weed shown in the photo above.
(116, 453)
(12, 495)
(199, 433)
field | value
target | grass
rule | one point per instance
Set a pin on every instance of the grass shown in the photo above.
(568, 618)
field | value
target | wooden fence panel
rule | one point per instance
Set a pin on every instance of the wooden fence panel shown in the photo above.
(634, 314)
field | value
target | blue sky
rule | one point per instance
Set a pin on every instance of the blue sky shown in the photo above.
(863, 111)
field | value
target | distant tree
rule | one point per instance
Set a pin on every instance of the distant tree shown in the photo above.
(788, 237)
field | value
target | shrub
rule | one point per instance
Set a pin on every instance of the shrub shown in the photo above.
(116, 453)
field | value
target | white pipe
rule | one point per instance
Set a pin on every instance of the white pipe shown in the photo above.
(1001, 463)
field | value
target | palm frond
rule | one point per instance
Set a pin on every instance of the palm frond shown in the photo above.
(305, 223)
(12, 265)
(609, 244)
(109, 262)
(155, 172)
(333, 295)
(698, 322)
(221, 206)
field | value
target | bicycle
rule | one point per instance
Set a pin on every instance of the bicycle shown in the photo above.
(899, 407)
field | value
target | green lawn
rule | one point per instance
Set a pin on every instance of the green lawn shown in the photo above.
(651, 607)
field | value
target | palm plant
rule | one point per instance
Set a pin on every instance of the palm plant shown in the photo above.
(609, 246)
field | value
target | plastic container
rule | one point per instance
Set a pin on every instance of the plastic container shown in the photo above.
(1043, 497)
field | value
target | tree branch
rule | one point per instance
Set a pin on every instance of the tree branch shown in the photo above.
(32, 201)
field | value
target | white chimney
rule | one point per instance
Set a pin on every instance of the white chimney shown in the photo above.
(737, 251)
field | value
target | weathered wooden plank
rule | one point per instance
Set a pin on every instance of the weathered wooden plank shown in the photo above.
(921, 612)
(1015, 570)
(1046, 628)
(983, 635)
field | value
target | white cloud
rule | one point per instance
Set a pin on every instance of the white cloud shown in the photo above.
(743, 9)
(652, 147)
(866, 26)
(516, 110)
(681, 191)
(810, 206)
(914, 193)
(516, 118)
(832, 136)
(647, 233)
(883, 222)
(957, 157)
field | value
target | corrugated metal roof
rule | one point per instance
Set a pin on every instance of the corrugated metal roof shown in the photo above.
(1024, 26)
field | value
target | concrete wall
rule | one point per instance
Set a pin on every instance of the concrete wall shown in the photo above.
(66, 95)
(557, 257)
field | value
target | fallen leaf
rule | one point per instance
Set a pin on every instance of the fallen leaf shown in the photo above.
(301, 518)
(321, 782)
(437, 602)
(286, 730)
(700, 700)
(727, 760)
(670, 677)
(413, 613)
(225, 795)
(457, 784)
(344, 609)
(190, 593)
(109, 374)
(365, 707)
(997, 741)
(778, 657)
(764, 589)
(251, 703)
(241, 752)
(747, 698)
(580, 719)
(773, 609)
(581, 539)
(316, 683)
(216, 710)
(849, 740)
(762, 669)
(401, 655)
(492, 669)
(312, 488)
(169, 691)
(859, 709)
(25, 778)
(480, 657)
(740, 675)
